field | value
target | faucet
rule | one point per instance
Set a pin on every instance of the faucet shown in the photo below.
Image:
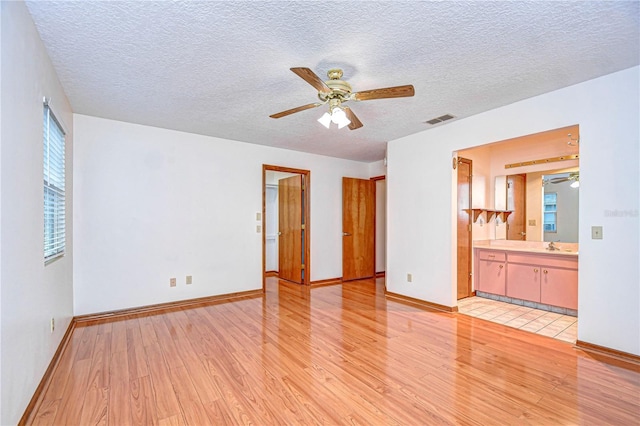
(552, 247)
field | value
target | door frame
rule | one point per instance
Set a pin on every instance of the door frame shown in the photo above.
(375, 226)
(470, 283)
(307, 219)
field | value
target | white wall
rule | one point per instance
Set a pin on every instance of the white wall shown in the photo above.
(151, 204)
(421, 195)
(32, 293)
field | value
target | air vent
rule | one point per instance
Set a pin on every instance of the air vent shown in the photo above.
(440, 119)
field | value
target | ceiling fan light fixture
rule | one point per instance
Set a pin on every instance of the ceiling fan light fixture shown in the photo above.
(575, 184)
(339, 117)
(325, 120)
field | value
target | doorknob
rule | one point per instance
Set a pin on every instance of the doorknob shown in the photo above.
(346, 234)
(523, 233)
(279, 233)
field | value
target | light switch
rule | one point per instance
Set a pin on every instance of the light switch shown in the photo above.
(532, 222)
(596, 232)
(258, 216)
(258, 229)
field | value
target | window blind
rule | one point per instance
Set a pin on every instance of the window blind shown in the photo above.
(54, 186)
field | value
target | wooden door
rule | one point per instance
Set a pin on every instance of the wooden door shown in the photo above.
(290, 235)
(358, 228)
(516, 202)
(464, 228)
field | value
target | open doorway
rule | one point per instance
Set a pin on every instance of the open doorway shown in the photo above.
(285, 224)
(518, 279)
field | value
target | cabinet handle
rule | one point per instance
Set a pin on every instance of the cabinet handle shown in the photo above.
(535, 270)
(545, 271)
(492, 256)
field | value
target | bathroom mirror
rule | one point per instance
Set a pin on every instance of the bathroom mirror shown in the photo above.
(500, 198)
(551, 205)
(560, 198)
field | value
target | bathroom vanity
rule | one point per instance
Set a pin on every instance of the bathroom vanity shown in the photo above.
(528, 273)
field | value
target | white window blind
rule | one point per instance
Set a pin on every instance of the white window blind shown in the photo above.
(54, 205)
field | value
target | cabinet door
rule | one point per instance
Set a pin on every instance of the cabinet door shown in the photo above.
(492, 277)
(559, 287)
(523, 282)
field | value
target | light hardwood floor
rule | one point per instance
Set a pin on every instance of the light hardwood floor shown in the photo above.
(339, 354)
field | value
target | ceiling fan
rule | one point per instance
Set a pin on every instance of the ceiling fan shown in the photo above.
(572, 176)
(336, 92)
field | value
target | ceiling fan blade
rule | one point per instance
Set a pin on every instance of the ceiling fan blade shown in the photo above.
(355, 122)
(387, 92)
(294, 110)
(310, 77)
(559, 180)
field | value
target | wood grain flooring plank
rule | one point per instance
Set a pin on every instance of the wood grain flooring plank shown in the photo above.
(192, 408)
(165, 397)
(119, 389)
(96, 399)
(136, 355)
(118, 336)
(142, 402)
(70, 407)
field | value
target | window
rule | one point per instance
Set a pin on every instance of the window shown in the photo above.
(54, 206)
(550, 212)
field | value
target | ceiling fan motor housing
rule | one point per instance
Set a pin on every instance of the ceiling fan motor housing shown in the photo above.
(340, 89)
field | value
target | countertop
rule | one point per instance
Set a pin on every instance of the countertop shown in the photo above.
(566, 249)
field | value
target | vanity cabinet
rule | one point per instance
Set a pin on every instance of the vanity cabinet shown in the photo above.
(538, 277)
(524, 282)
(491, 271)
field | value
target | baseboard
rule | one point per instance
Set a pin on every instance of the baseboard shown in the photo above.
(271, 274)
(329, 281)
(423, 304)
(381, 274)
(163, 307)
(34, 403)
(603, 350)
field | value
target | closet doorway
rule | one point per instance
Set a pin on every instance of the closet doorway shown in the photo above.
(285, 224)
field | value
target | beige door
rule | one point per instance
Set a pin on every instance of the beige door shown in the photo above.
(464, 228)
(358, 228)
(290, 235)
(516, 202)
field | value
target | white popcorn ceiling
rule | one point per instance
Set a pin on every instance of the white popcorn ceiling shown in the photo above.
(221, 68)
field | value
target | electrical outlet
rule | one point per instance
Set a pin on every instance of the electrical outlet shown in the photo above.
(189, 279)
(258, 229)
(409, 278)
(172, 282)
(53, 324)
(596, 232)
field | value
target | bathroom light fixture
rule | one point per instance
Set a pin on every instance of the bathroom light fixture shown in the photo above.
(337, 116)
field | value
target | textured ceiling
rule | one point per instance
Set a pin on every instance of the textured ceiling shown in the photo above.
(221, 68)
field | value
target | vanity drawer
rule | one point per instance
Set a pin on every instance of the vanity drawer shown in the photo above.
(499, 256)
(560, 261)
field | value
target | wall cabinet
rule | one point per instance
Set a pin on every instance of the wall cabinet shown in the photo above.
(538, 277)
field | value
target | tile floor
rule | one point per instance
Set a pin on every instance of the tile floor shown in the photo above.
(558, 326)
